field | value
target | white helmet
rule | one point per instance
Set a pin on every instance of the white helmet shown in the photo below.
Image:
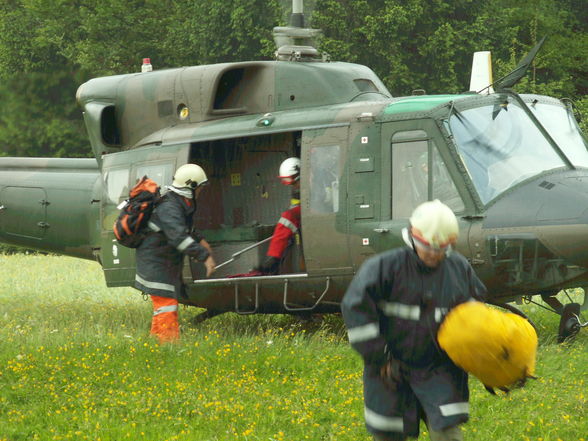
(290, 171)
(434, 224)
(189, 176)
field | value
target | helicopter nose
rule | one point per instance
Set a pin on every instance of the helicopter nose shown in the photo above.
(552, 209)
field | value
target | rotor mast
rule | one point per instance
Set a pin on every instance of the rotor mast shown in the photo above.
(297, 16)
(296, 42)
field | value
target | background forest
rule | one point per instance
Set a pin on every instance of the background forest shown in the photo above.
(49, 47)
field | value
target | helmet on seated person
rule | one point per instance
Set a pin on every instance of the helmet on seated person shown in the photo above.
(290, 171)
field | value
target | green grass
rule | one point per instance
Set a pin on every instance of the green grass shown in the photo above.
(77, 363)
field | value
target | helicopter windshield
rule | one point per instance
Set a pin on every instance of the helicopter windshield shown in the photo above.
(501, 146)
(562, 126)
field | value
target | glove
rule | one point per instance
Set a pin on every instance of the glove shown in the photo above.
(393, 372)
(270, 265)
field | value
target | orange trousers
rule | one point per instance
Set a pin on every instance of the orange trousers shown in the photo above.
(164, 324)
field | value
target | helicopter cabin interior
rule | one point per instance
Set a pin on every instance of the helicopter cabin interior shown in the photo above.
(244, 199)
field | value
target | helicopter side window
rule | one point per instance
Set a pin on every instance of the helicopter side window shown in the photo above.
(324, 179)
(161, 173)
(410, 176)
(116, 185)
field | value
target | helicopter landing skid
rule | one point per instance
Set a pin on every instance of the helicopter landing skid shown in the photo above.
(205, 315)
(569, 324)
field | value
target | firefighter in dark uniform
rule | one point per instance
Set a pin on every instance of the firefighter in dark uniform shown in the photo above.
(160, 256)
(288, 226)
(393, 309)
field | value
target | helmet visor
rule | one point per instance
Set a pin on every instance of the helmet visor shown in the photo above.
(194, 185)
(289, 180)
(424, 244)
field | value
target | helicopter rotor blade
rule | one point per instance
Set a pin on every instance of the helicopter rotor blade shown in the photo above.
(519, 72)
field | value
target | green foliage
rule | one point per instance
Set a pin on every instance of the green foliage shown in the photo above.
(76, 362)
(106, 37)
(203, 31)
(38, 116)
(422, 44)
(582, 109)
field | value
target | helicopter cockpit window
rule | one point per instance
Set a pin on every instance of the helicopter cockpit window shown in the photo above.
(116, 184)
(419, 174)
(161, 173)
(324, 179)
(500, 146)
(562, 126)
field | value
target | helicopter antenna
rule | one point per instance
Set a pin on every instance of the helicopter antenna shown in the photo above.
(296, 42)
(519, 72)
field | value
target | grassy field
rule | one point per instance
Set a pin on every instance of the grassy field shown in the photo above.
(76, 363)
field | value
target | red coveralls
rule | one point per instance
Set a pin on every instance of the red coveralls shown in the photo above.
(286, 228)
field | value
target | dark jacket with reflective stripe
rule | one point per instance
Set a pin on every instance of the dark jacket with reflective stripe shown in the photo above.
(396, 300)
(161, 255)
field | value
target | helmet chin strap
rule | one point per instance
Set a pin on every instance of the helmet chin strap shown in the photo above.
(407, 237)
(186, 192)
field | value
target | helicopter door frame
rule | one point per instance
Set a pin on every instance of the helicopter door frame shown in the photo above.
(323, 198)
(445, 182)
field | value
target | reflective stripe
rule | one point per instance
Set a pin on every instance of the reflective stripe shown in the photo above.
(440, 313)
(400, 310)
(161, 310)
(363, 333)
(383, 423)
(155, 285)
(454, 409)
(185, 243)
(153, 227)
(285, 222)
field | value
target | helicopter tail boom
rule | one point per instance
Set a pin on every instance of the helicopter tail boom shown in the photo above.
(50, 204)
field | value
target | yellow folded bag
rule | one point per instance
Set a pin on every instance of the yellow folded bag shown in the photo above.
(499, 348)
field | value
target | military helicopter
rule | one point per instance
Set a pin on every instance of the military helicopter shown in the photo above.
(514, 168)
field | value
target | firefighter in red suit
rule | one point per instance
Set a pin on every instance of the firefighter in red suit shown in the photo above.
(289, 223)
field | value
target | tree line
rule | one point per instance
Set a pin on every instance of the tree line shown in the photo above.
(48, 48)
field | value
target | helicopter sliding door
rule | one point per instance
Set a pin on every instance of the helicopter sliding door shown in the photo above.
(410, 168)
(120, 173)
(324, 219)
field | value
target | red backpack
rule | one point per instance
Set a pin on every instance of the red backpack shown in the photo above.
(129, 227)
